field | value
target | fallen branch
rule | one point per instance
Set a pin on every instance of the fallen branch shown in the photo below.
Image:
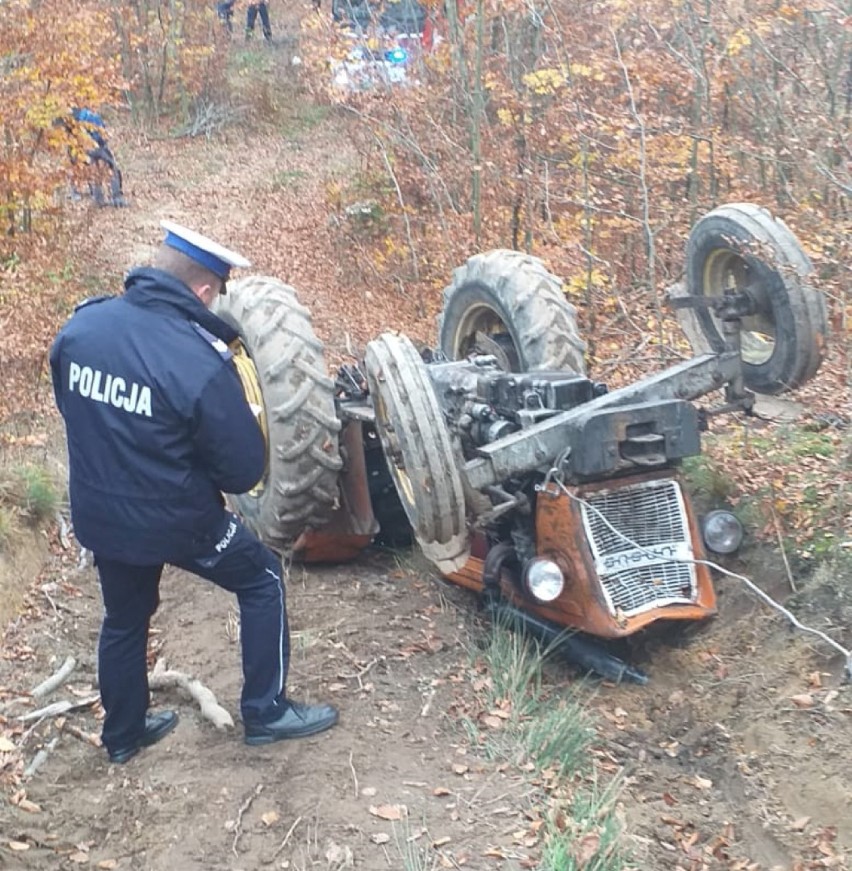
(790, 579)
(354, 775)
(62, 530)
(40, 758)
(46, 687)
(163, 678)
(238, 824)
(837, 182)
(358, 675)
(80, 735)
(45, 589)
(424, 711)
(57, 708)
(283, 844)
(11, 703)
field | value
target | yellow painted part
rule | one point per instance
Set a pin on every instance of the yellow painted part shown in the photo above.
(247, 373)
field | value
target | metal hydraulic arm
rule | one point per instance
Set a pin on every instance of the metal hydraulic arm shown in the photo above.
(539, 445)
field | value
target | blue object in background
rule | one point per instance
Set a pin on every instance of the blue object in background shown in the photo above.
(94, 123)
(396, 55)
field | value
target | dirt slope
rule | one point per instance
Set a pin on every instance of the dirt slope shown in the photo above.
(374, 641)
(726, 764)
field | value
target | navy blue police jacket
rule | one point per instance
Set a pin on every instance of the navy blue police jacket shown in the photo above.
(157, 423)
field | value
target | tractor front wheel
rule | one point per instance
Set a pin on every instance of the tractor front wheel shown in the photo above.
(418, 449)
(742, 247)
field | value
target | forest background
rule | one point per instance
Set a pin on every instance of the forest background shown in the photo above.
(591, 134)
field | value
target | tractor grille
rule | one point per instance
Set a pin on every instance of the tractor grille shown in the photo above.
(639, 568)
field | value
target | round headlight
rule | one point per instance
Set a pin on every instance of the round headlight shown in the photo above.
(544, 579)
(722, 531)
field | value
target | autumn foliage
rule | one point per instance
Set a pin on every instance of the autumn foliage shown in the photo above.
(158, 59)
(171, 55)
(592, 134)
(51, 62)
(595, 133)
(151, 56)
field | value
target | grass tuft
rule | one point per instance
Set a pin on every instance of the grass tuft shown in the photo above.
(30, 491)
(559, 736)
(414, 857)
(707, 481)
(546, 729)
(514, 669)
(585, 835)
(8, 527)
(40, 497)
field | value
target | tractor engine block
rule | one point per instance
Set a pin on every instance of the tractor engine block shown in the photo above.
(482, 403)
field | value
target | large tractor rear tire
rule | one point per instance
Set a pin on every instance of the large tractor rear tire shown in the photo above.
(506, 303)
(741, 246)
(285, 365)
(418, 450)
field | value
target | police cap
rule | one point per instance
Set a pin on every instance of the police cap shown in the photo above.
(211, 255)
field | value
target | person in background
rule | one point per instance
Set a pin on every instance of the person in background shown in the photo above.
(254, 10)
(100, 159)
(225, 13)
(158, 427)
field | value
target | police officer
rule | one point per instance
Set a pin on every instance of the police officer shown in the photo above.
(225, 13)
(158, 428)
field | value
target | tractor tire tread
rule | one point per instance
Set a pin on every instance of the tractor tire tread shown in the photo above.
(303, 456)
(531, 302)
(398, 377)
(799, 310)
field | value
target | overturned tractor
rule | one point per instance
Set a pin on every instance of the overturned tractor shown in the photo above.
(520, 478)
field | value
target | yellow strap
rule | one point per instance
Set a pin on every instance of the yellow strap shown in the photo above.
(247, 373)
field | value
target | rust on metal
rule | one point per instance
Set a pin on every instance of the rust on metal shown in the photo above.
(561, 537)
(352, 524)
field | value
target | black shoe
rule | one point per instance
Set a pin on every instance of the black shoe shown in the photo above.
(156, 726)
(298, 721)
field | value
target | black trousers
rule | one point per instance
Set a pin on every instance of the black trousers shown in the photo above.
(261, 9)
(225, 11)
(238, 562)
(102, 159)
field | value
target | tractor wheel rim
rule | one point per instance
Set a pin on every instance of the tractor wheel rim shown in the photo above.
(396, 464)
(250, 381)
(483, 322)
(727, 270)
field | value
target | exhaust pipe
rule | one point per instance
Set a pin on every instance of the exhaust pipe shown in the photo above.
(580, 650)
